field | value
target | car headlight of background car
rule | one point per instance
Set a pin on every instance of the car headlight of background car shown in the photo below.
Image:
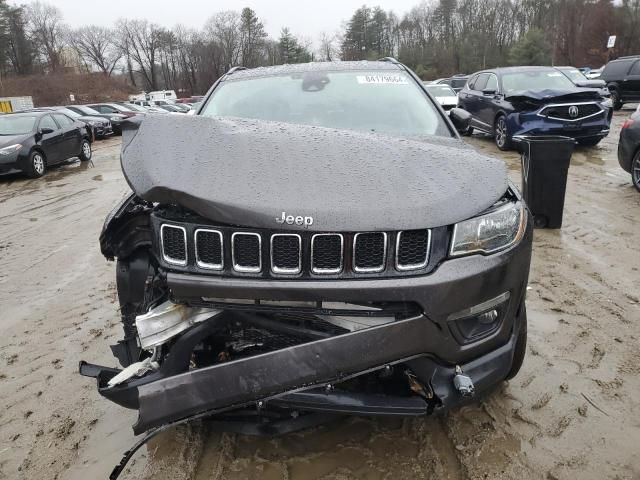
(115, 119)
(491, 232)
(10, 149)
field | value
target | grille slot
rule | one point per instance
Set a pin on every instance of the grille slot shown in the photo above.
(246, 252)
(209, 249)
(286, 253)
(369, 252)
(174, 244)
(327, 250)
(412, 249)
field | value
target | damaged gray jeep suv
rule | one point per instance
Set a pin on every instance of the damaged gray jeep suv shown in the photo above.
(316, 241)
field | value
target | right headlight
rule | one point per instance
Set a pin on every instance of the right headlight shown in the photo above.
(491, 232)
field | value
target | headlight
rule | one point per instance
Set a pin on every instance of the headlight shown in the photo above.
(92, 123)
(607, 103)
(489, 233)
(115, 119)
(10, 149)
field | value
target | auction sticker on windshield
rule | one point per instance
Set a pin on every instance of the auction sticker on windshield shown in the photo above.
(378, 79)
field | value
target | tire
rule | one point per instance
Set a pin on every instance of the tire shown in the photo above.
(615, 100)
(37, 164)
(635, 170)
(521, 343)
(589, 141)
(501, 134)
(85, 150)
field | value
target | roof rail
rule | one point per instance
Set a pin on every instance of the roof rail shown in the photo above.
(628, 56)
(389, 59)
(235, 69)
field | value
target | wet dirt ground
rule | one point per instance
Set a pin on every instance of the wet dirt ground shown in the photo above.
(572, 412)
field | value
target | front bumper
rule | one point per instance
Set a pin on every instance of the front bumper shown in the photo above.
(308, 376)
(531, 123)
(11, 163)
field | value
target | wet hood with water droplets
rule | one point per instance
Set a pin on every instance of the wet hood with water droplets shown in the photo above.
(247, 172)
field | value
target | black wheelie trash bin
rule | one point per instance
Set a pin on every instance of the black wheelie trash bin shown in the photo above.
(545, 163)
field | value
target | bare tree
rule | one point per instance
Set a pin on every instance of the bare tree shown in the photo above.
(96, 45)
(328, 50)
(224, 29)
(142, 41)
(46, 29)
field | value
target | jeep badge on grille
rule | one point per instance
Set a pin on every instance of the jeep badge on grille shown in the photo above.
(297, 220)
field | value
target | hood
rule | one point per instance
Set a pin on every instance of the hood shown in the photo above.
(89, 118)
(248, 172)
(8, 140)
(553, 95)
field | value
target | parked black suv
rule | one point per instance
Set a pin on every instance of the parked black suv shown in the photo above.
(318, 240)
(623, 80)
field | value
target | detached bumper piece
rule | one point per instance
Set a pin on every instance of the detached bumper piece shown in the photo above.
(305, 377)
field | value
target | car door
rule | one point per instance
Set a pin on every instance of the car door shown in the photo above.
(487, 101)
(465, 97)
(476, 101)
(632, 82)
(53, 142)
(72, 135)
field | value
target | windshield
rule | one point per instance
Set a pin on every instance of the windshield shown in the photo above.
(71, 113)
(87, 110)
(535, 80)
(10, 125)
(137, 108)
(380, 101)
(574, 75)
(441, 90)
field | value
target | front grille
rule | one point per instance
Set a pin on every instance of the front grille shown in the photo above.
(561, 112)
(227, 250)
(412, 249)
(174, 244)
(369, 251)
(327, 250)
(286, 253)
(209, 250)
(246, 252)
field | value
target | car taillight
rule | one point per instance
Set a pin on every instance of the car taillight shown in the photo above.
(627, 123)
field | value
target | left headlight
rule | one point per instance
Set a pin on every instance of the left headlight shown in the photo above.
(607, 103)
(10, 149)
(491, 232)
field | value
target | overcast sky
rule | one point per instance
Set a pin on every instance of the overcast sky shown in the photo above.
(304, 18)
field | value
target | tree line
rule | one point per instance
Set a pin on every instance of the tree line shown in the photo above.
(436, 38)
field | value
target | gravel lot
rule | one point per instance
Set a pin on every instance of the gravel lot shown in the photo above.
(573, 412)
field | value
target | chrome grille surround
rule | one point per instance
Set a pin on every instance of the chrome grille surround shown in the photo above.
(243, 268)
(168, 258)
(327, 271)
(286, 270)
(376, 269)
(414, 266)
(199, 262)
(568, 105)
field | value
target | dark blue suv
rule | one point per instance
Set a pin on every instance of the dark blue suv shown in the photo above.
(506, 102)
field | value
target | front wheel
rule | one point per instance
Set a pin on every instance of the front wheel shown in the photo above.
(615, 100)
(85, 151)
(37, 165)
(501, 134)
(635, 170)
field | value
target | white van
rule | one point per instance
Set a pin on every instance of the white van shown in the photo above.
(162, 95)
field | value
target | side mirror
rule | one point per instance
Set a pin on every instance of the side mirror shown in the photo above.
(460, 118)
(45, 130)
(489, 91)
